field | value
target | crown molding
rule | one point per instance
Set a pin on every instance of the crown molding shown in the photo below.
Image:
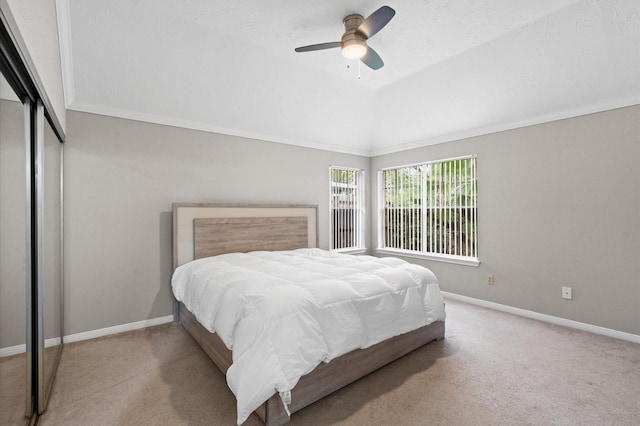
(206, 127)
(63, 15)
(452, 137)
(593, 108)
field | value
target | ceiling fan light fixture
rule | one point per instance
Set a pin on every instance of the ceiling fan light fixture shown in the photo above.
(357, 31)
(354, 49)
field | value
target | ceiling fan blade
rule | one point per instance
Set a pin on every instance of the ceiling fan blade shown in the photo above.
(372, 59)
(320, 46)
(376, 21)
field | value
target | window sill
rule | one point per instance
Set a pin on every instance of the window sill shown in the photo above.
(458, 260)
(350, 250)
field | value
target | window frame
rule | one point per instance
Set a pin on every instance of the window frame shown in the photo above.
(360, 215)
(423, 254)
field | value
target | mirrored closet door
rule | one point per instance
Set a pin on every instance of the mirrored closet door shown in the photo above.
(15, 378)
(31, 235)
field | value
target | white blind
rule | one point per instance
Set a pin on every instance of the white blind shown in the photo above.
(347, 202)
(431, 207)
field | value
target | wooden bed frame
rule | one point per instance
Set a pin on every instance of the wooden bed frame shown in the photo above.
(201, 230)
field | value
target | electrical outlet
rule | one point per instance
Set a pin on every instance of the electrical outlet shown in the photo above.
(490, 279)
(566, 293)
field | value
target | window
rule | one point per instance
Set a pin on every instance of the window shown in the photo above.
(347, 208)
(430, 210)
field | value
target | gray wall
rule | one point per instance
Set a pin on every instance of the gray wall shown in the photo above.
(559, 205)
(122, 176)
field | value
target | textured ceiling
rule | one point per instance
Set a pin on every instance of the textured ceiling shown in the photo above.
(452, 69)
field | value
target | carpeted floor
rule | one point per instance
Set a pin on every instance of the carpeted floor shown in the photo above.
(492, 369)
(13, 388)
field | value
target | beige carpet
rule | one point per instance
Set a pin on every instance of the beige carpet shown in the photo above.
(13, 388)
(492, 369)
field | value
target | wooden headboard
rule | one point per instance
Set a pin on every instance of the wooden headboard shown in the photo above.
(202, 230)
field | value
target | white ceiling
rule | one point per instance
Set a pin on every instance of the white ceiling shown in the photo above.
(452, 69)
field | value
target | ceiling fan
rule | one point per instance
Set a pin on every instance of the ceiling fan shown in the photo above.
(354, 41)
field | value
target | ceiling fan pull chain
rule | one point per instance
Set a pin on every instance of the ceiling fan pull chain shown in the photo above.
(358, 70)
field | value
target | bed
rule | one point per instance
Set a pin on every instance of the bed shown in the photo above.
(251, 234)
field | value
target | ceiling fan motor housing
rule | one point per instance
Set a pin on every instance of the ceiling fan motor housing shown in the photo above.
(352, 42)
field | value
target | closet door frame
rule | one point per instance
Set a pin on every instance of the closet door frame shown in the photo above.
(37, 244)
(30, 399)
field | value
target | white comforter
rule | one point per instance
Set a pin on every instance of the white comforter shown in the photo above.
(282, 313)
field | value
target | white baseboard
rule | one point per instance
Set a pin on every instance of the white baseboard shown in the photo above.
(13, 350)
(52, 342)
(117, 329)
(546, 318)
(19, 349)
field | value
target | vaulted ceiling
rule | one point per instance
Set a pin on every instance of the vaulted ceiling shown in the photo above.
(452, 68)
